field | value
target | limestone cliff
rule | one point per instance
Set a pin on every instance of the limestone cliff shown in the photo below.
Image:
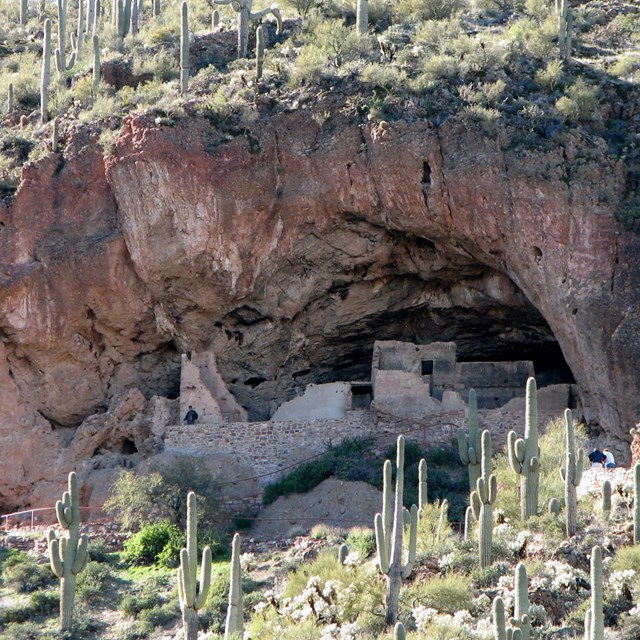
(288, 249)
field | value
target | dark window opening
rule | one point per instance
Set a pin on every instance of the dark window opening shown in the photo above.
(427, 367)
(361, 396)
(255, 381)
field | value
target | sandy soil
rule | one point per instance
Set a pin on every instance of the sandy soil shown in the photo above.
(333, 502)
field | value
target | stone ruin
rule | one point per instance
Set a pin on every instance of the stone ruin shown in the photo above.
(407, 381)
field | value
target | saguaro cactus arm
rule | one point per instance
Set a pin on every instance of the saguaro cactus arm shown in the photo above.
(469, 442)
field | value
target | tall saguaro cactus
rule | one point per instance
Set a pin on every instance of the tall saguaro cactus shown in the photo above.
(636, 503)
(469, 442)
(423, 498)
(45, 77)
(24, 6)
(184, 47)
(62, 64)
(259, 51)
(235, 619)
(362, 17)
(482, 500)
(389, 540)
(565, 28)
(521, 619)
(606, 499)
(68, 555)
(594, 620)
(524, 455)
(571, 473)
(191, 592)
(245, 16)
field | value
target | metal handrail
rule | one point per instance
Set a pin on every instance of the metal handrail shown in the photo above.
(32, 513)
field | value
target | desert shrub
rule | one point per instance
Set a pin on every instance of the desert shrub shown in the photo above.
(627, 558)
(161, 615)
(420, 10)
(580, 102)
(93, 581)
(99, 551)
(535, 38)
(551, 76)
(133, 604)
(326, 532)
(445, 594)
(26, 631)
(133, 631)
(626, 66)
(137, 500)
(44, 603)
(384, 76)
(24, 575)
(361, 540)
(352, 459)
(304, 7)
(149, 544)
(16, 614)
(433, 532)
(489, 576)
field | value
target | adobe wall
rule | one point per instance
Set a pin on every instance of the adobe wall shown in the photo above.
(329, 401)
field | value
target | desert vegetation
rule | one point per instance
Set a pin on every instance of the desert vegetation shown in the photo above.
(519, 568)
(528, 74)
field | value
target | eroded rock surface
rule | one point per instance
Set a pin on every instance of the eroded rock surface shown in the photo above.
(287, 251)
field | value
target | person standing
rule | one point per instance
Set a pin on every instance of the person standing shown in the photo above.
(191, 416)
(610, 461)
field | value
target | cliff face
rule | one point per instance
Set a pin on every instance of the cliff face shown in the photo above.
(288, 250)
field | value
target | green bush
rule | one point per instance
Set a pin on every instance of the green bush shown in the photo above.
(16, 614)
(361, 540)
(134, 604)
(99, 551)
(44, 603)
(421, 10)
(24, 575)
(93, 581)
(580, 102)
(153, 542)
(446, 594)
(160, 616)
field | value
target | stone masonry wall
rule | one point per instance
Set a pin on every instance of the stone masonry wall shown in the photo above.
(270, 449)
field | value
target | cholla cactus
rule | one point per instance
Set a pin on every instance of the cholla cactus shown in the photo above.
(524, 456)
(191, 592)
(235, 619)
(68, 555)
(469, 442)
(389, 540)
(571, 473)
(482, 500)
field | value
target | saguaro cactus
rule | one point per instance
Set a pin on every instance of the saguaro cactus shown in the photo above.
(594, 625)
(565, 28)
(524, 455)
(184, 47)
(96, 64)
(482, 500)
(521, 619)
(469, 442)
(10, 98)
(571, 473)
(362, 17)
(235, 619)
(68, 555)
(45, 77)
(606, 499)
(389, 541)
(422, 486)
(243, 7)
(399, 632)
(191, 592)
(636, 503)
(468, 523)
(215, 19)
(553, 507)
(24, 6)
(259, 51)
(62, 65)
(80, 31)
